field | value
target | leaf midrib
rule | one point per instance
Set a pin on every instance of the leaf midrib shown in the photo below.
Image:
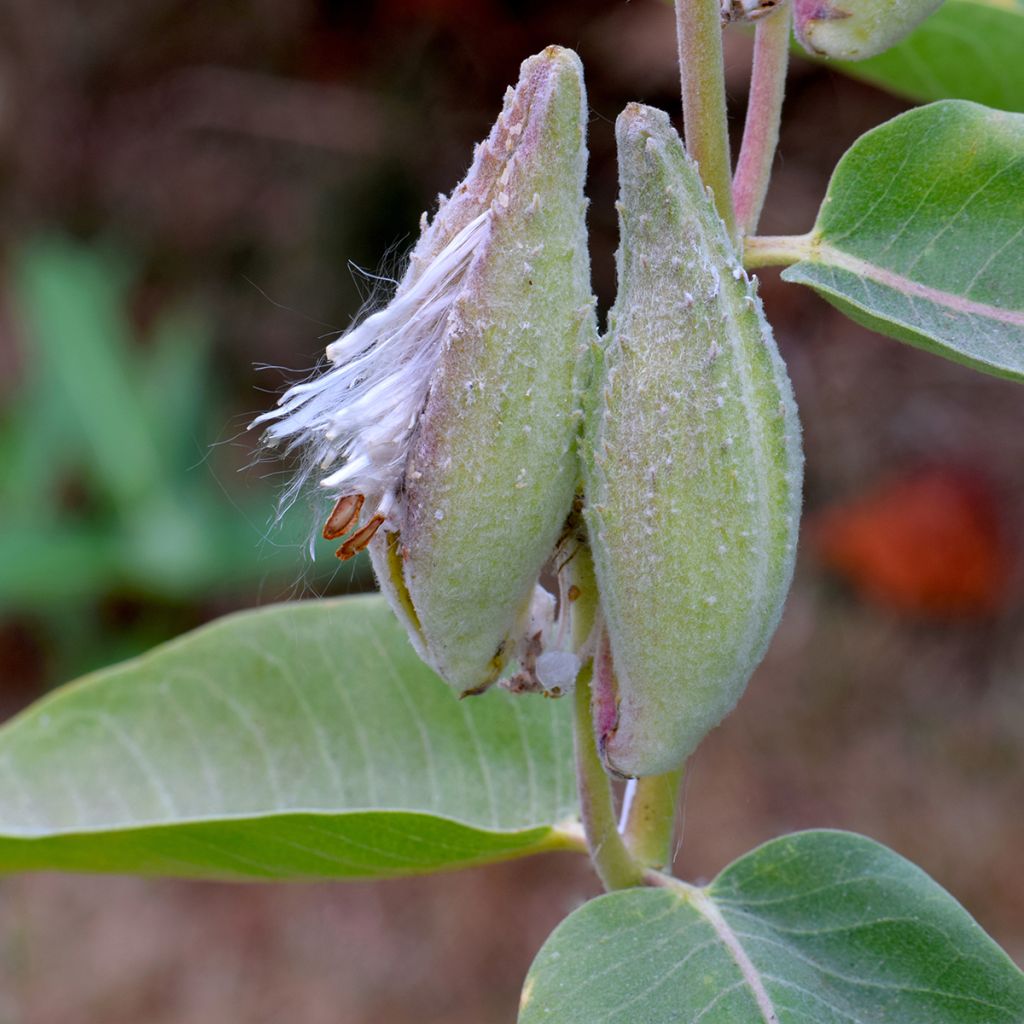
(828, 255)
(704, 905)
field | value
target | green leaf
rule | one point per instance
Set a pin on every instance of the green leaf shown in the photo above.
(72, 299)
(301, 741)
(175, 384)
(968, 49)
(921, 234)
(813, 928)
(41, 567)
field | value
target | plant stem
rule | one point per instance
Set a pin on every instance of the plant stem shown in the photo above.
(764, 111)
(651, 819)
(702, 74)
(580, 573)
(777, 250)
(612, 861)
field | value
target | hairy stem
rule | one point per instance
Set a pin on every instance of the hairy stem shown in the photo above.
(613, 862)
(651, 819)
(579, 578)
(764, 111)
(777, 250)
(702, 73)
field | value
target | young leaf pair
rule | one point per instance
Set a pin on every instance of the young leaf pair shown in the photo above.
(467, 417)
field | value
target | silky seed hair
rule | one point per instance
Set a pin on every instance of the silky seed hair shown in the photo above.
(354, 422)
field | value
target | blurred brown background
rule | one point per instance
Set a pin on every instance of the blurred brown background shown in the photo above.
(183, 187)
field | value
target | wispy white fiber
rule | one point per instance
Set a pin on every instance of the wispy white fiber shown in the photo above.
(354, 422)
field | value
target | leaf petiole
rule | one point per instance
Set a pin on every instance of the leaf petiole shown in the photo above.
(777, 250)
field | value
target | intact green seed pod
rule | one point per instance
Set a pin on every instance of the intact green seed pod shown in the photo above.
(857, 29)
(692, 465)
(453, 413)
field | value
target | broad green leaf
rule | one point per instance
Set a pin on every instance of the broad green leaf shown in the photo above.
(921, 234)
(968, 49)
(301, 741)
(813, 928)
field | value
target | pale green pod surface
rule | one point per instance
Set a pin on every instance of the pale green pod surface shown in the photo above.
(857, 29)
(493, 467)
(692, 465)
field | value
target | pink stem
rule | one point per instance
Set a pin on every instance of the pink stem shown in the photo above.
(761, 130)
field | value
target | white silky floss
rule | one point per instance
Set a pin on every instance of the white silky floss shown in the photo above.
(364, 410)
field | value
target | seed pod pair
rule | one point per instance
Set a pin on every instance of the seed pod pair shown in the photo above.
(857, 29)
(692, 465)
(453, 412)
(452, 417)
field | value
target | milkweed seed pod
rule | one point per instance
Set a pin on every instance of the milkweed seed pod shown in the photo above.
(692, 466)
(446, 425)
(856, 29)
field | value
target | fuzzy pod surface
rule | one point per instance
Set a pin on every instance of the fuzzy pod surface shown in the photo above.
(692, 465)
(857, 29)
(493, 466)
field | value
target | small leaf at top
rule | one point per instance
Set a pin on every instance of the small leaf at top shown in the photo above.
(921, 234)
(813, 928)
(300, 741)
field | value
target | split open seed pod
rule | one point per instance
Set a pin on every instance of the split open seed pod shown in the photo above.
(446, 426)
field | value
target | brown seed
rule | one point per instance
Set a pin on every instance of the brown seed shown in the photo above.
(359, 539)
(342, 516)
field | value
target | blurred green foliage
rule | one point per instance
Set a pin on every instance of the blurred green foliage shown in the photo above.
(112, 484)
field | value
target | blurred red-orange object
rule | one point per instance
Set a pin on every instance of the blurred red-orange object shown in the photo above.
(928, 542)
